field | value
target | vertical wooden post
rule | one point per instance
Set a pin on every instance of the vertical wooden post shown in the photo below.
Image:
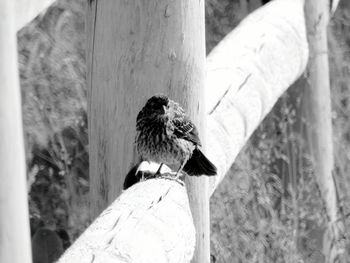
(198, 191)
(14, 220)
(190, 93)
(135, 50)
(318, 115)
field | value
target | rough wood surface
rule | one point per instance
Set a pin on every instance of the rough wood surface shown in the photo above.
(27, 10)
(14, 221)
(246, 75)
(137, 49)
(150, 222)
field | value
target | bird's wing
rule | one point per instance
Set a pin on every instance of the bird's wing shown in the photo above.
(185, 129)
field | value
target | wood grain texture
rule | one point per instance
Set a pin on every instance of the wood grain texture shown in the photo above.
(27, 10)
(14, 220)
(318, 116)
(246, 74)
(150, 222)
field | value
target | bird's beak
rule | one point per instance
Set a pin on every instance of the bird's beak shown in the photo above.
(166, 110)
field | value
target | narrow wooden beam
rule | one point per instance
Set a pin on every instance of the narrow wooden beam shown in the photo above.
(14, 219)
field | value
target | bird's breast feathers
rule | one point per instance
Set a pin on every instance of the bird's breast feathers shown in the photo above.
(159, 143)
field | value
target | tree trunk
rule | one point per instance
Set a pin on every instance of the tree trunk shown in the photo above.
(137, 49)
(318, 116)
(14, 221)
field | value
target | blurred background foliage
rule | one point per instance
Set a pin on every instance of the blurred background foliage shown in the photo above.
(268, 209)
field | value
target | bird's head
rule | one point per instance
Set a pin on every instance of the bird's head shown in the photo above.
(159, 105)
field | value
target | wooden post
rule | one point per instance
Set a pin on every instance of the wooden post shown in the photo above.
(318, 116)
(135, 50)
(14, 220)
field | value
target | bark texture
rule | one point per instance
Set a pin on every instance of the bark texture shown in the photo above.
(14, 221)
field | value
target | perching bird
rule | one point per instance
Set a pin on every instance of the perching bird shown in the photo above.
(166, 135)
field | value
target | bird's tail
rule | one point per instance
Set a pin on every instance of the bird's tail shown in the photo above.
(198, 165)
(132, 177)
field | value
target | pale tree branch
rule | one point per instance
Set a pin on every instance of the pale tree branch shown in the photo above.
(247, 73)
(150, 222)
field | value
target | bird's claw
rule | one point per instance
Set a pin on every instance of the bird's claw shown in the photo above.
(142, 176)
(173, 178)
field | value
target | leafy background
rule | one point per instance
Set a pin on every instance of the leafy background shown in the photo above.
(267, 209)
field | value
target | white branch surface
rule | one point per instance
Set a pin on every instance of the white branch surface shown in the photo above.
(247, 72)
(149, 222)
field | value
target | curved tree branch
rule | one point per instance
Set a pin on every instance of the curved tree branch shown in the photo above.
(247, 73)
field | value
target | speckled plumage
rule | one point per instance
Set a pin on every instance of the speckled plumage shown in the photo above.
(165, 134)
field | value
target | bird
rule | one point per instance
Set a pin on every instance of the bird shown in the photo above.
(166, 135)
